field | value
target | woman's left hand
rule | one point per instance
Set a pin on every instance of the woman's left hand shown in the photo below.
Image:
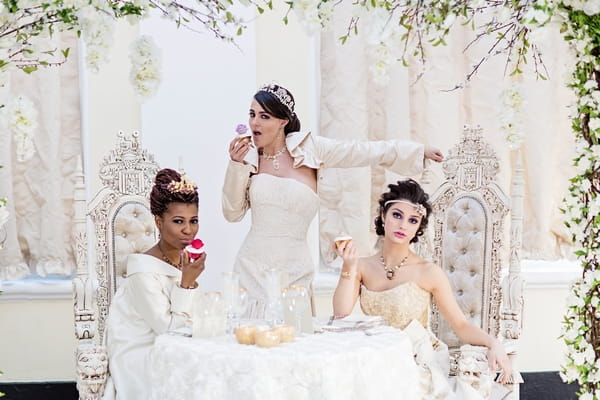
(434, 154)
(498, 359)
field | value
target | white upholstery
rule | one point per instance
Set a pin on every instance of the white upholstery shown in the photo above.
(133, 232)
(467, 229)
(463, 259)
(123, 224)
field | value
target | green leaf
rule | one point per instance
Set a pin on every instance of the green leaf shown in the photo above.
(29, 69)
(65, 52)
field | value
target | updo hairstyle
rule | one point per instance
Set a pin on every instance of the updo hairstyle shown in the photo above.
(274, 106)
(163, 192)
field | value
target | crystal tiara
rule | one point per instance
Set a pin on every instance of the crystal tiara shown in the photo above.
(281, 93)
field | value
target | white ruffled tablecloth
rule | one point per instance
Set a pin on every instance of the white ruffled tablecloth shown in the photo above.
(345, 366)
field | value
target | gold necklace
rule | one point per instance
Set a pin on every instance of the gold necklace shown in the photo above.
(390, 270)
(274, 157)
(166, 259)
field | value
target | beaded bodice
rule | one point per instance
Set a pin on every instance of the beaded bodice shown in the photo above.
(398, 305)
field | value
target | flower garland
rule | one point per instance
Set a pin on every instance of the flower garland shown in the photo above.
(20, 117)
(581, 324)
(145, 67)
(511, 116)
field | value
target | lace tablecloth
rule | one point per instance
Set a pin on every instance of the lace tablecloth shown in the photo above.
(344, 365)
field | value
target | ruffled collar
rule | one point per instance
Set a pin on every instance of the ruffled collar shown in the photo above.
(294, 142)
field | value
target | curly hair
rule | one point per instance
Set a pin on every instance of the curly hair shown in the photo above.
(409, 190)
(161, 195)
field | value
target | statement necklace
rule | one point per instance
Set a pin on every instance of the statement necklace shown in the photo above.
(390, 270)
(166, 259)
(274, 157)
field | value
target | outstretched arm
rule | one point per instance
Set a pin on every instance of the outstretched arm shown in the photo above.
(444, 298)
(346, 292)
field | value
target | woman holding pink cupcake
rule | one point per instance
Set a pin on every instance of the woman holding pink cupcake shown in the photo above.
(158, 293)
(276, 174)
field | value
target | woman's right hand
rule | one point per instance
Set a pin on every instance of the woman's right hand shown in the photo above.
(191, 270)
(347, 252)
(238, 149)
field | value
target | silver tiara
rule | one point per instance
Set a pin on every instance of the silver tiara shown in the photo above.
(419, 208)
(282, 95)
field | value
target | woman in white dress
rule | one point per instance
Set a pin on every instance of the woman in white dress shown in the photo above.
(157, 295)
(397, 284)
(275, 173)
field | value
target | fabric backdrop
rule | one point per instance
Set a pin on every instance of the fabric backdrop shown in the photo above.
(40, 190)
(423, 110)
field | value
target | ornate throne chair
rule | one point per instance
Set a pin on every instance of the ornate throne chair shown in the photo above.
(122, 224)
(469, 210)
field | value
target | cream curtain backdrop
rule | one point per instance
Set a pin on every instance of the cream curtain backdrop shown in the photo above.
(423, 110)
(40, 190)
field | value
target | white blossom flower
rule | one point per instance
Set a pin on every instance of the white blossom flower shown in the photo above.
(20, 117)
(145, 66)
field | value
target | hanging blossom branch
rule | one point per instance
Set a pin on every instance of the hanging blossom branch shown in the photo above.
(581, 323)
(27, 27)
(401, 30)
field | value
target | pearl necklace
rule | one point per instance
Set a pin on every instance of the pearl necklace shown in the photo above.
(166, 259)
(274, 157)
(390, 270)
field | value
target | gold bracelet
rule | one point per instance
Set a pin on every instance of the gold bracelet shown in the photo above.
(194, 286)
(346, 275)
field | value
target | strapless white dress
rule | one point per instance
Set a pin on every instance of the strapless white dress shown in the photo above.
(282, 210)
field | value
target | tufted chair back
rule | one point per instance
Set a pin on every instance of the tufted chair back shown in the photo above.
(469, 211)
(123, 224)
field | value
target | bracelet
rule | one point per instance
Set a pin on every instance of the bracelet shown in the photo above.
(194, 286)
(346, 275)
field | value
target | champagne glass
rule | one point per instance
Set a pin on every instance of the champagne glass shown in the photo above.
(230, 288)
(296, 300)
(240, 304)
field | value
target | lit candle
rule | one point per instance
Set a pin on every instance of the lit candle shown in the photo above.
(267, 338)
(245, 334)
(287, 333)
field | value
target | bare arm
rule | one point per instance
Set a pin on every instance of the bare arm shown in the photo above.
(346, 292)
(469, 333)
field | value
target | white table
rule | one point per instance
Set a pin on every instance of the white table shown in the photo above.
(345, 366)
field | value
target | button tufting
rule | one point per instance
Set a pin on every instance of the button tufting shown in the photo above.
(459, 292)
(464, 251)
(472, 273)
(451, 268)
(124, 234)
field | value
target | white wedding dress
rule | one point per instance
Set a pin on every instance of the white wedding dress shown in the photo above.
(282, 210)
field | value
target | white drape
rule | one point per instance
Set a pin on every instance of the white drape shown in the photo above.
(354, 106)
(40, 190)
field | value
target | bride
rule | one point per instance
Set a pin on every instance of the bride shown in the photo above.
(397, 284)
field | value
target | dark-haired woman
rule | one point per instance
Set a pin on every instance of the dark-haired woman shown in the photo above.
(397, 284)
(276, 175)
(157, 295)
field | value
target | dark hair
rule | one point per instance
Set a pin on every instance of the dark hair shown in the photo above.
(409, 190)
(271, 104)
(162, 195)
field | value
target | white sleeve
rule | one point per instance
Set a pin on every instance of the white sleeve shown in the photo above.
(160, 309)
(235, 200)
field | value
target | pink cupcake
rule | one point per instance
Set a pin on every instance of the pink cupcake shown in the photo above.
(195, 248)
(243, 133)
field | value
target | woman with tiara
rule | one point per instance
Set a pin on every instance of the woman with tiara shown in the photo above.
(275, 172)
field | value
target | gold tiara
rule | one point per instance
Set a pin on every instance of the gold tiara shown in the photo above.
(419, 208)
(184, 185)
(281, 93)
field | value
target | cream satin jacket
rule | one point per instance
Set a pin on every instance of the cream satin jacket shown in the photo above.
(402, 157)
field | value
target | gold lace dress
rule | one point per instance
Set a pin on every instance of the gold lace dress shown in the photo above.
(398, 305)
(406, 306)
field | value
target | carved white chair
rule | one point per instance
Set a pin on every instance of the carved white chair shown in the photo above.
(122, 224)
(469, 210)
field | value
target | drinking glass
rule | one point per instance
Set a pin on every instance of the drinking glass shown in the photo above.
(231, 285)
(296, 301)
(211, 317)
(240, 304)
